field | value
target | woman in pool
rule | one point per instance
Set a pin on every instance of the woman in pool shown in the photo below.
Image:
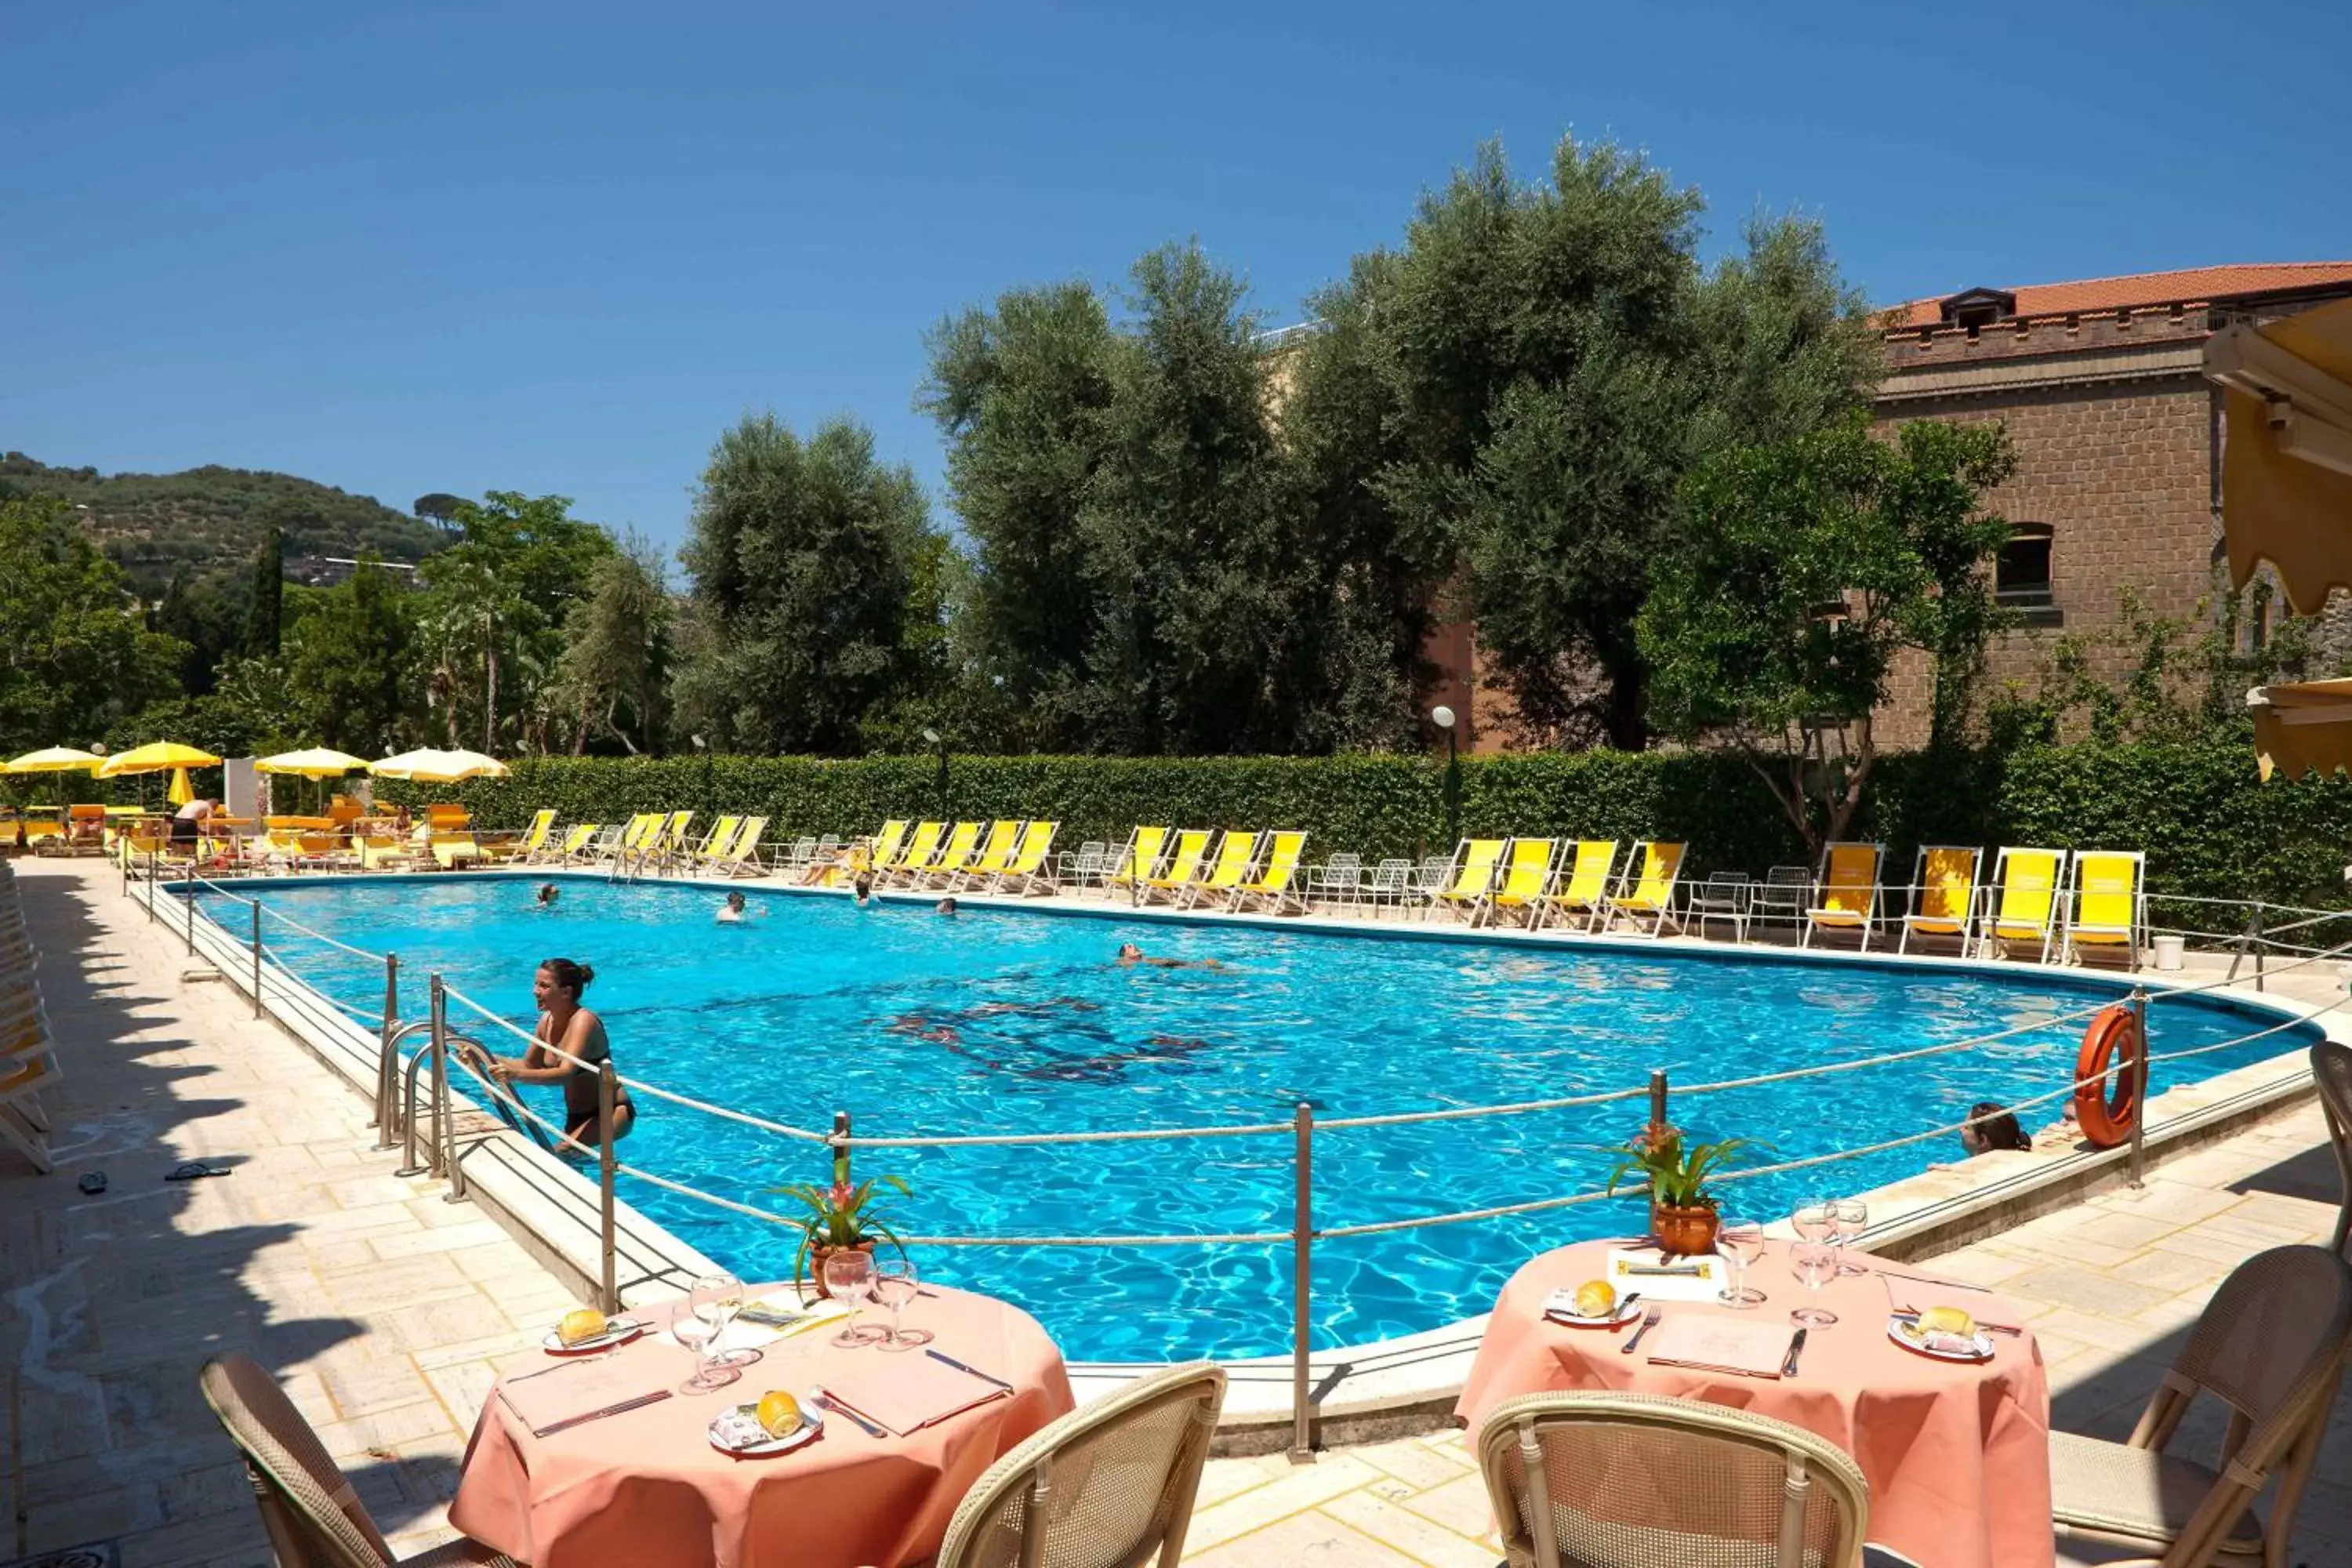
(547, 894)
(567, 1027)
(1130, 954)
(1993, 1126)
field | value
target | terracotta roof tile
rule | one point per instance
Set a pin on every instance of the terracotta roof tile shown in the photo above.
(2194, 285)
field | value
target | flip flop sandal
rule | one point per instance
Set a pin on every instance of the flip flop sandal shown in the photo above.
(92, 1183)
(194, 1170)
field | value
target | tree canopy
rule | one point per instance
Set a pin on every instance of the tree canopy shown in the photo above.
(75, 657)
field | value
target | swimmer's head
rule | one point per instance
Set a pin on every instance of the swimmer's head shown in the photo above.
(1128, 950)
(561, 978)
(947, 907)
(865, 888)
(547, 891)
(735, 901)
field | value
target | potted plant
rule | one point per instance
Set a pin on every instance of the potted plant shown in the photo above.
(1682, 1211)
(841, 1217)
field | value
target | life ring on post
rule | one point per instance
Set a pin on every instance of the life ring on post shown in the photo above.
(2106, 1107)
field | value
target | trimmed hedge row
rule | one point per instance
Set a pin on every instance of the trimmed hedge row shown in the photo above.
(2209, 827)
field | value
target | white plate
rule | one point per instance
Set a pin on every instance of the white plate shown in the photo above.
(1901, 1330)
(1557, 1308)
(812, 1426)
(617, 1331)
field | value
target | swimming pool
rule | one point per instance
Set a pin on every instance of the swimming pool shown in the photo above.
(1018, 1021)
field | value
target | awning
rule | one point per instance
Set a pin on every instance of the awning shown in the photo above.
(2303, 727)
(2286, 474)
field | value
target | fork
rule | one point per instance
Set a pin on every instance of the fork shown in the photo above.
(1649, 1320)
(824, 1401)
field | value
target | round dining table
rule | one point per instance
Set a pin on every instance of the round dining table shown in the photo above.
(645, 1485)
(1956, 1455)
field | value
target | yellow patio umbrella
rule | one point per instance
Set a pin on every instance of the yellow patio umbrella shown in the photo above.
(2286, 469)
(317, 762)
(430, 766)
(154, 758)
(53, 760)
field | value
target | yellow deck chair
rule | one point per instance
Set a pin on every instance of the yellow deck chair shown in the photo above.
(1236, 853)
(578, 842)
(1031, 865)
(718, 843)
(1183, 867)
(527, 848)
(921, 847)
(1527, 877)
(671, 841)
(2026, 906)
(40, 830)
(1944, 894)
(383, 849)
(742, 856)
(2110, 902)
(1474, 861)
(452, 851)
(1273, 886)
(633, 834)
(1141, 857)
(1646, 891)
(886, 844)
(1847, 892)
(996, 854)
(1583, 886)
(963, 843)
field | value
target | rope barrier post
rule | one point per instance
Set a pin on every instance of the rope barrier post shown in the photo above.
(1302, 1286)
(2139, 1086)
(607, 1095)
(439, 1047)
(1657, 1098)
(2258, 946)
(192, 916)
(256, 958)
(839, 1144)
(387, 1065)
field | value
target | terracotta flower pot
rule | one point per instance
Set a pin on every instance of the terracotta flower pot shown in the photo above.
(819, 1251)
(1683, 1232)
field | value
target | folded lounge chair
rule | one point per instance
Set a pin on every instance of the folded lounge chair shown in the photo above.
(1582, 892)
(1236, 853)
(1465, 879)
(1272, 887)
(1183, 867)
(1646, 891)
(1031, 865)
(1527, 877)
(2110, 903)
(1944, 895)
(2026, 905)
(1848, 898)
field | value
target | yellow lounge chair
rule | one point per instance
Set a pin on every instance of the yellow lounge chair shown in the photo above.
(455, 851)
(1583, 888)
(1646, 891)
(632, 833)
(527, 848)
(922, 847)
(886, 844)
(1031, 865)
(1944, 895)
(579, 843)
(1183, 867)
(742, 856)
(1273, 886)
(23, 1121)
(383, 849)
(1236, 853)
(2026, 907)
(963, 844)
(1527, 877)
(669, 843)
(2110, 902)
(1141, 859)
(716, 844)
(995, 854)
(40, 830)
(1847, 897)
(1474, 861)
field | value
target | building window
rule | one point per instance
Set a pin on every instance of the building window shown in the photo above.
(2022, 574)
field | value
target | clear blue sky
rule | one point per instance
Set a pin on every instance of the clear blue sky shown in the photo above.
(418, 246)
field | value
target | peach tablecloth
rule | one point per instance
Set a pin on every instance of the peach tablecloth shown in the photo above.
(645, 1487)
(1957, 1456)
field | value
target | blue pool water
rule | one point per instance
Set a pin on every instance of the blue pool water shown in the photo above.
(1018, 1022)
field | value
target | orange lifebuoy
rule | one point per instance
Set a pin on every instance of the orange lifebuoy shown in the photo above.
(2105, 1109)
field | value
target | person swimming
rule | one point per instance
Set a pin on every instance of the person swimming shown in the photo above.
(864, 889)
(946, 908)
(1130, 954)
(548, 892)
(734, 912)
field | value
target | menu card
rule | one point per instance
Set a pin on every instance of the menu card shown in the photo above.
(1661, 1278)
(1710, 1343)
(550, 1398)
(910, 1392)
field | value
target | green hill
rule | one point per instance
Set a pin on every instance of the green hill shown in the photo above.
(212, 518)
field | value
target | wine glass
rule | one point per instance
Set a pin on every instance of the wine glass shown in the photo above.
(1816, 1261)
(1814, 1222)
(849, 1279)
(895, 1284)
(690, 1327)
(722, 1298)
(1848, 1217)
(1741, 1241)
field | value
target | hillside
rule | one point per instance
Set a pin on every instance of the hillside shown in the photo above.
(212, 518)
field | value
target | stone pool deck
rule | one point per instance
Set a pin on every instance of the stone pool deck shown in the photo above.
(389, 1310)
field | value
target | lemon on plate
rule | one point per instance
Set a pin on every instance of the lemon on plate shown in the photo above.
(581, 1326)
(1596, 1298)
(779, 1414)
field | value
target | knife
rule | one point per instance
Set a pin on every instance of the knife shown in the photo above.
(939, 1356)
(1796, 1349)
(655, 1397)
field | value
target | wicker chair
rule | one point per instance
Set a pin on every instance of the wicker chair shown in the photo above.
(1638, 1481)
(2270, 1346)
(2331, 1067)
(1110, 1485)
(313, 1516)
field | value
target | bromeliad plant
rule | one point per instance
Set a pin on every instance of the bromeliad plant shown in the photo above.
(842, 1215)
(1677, 1173)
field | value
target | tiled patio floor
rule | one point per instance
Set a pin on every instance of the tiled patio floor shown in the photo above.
(388, 1310)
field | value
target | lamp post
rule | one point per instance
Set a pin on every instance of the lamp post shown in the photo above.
(704, 749)
(933, 736)
(1443, 717)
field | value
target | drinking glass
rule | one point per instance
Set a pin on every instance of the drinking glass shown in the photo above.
(895, 1284)
(1814, 1222)
(691, 1329)
(849, 1279)
(1741, 1242)
(1848, 1217)
(1816, 1261)
(722, 1298)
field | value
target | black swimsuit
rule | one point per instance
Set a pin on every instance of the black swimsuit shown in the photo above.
(582, 1108)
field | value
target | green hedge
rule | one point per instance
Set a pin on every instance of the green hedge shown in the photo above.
(2209, 826)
